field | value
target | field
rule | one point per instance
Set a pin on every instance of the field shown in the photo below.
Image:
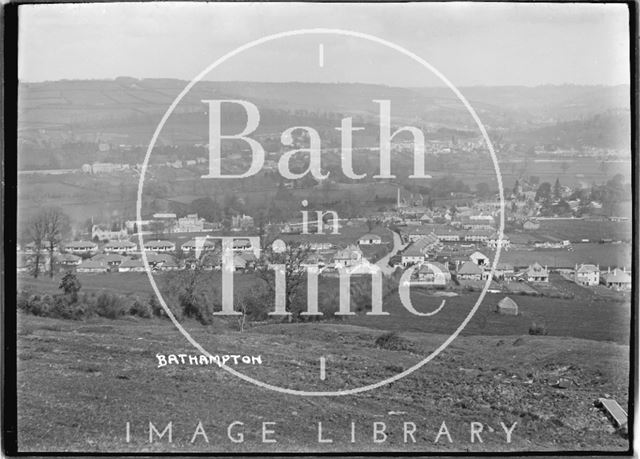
(576, 230)
(603, 254)
(80, 383)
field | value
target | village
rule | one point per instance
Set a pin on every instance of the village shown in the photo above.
(449, 248)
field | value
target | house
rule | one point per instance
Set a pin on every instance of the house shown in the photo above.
(470, 271)
(242, 245)
(201, 244)
(420, 232)
(479, 235)
(68, 259)
(349, 256)
(432, 273)
(618, 279)
(101, 233)
(249, 258)
(239, 263)
(370, 239)
(536, 273)
(492, 243)
(477, 222)
(319, 246)
(168, 265)
(412, 255)
(507, 306)
(120, 247)
(81, 247)
(162, 261)
(208, 262)
(587, 274)
(113, 260)
(92, 266)
(134, 266)
(160, 246)
(190, 224)
(418, 251)
(480, 259)
(448, 234)
(504, 271)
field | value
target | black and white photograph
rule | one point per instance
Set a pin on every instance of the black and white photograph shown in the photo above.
(315, 228)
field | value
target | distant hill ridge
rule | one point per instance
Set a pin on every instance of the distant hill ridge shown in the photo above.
(124, 104)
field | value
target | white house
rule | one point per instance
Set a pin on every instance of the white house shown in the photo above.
(202, 244)
(412, 256)
(131, 266)
(160, 246)
(618, 279)
(91, 266)
(587, 274)
(81, 247)
(190, 224)
(349, 256)
(370, 239)
(120, 247)
(432, 273)
(537, 273)
(492, 243)
(470, 271)
(101, 233)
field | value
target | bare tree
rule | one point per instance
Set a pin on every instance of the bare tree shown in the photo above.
(36, 230)
(292, 258)
(56, 228)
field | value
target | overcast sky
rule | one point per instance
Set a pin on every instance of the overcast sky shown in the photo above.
(470, 43)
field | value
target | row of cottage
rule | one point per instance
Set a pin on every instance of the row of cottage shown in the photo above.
(478, 268)
(445, 233)
(205, 243)
(123, 255)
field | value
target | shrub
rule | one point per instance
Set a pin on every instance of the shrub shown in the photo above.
(65, 307)
(140, 309)
(392, 342)
(256, 304)
(537, 329)
(156, 307)
(39, 305)
(110, 306)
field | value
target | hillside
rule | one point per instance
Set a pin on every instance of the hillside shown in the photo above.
(126, 106)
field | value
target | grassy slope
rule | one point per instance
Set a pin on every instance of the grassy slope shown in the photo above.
(79, 383)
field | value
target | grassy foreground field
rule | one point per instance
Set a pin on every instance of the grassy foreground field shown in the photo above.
(598, 314)
(79, 383)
